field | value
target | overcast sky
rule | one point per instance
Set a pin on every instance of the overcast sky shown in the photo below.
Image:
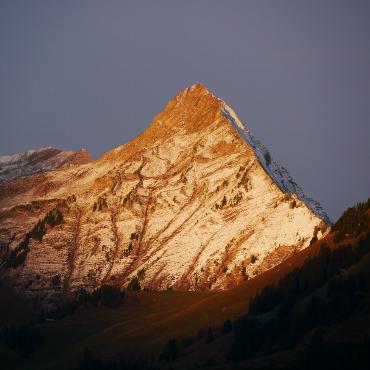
(93, 74)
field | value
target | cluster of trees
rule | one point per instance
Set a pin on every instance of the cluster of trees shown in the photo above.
(236, 200)
(19, 254)
(222, 204)
(63, 309)
(254, 336)
(322, 355)
(353, 221)
(91, 362)
(134, 237)
(314, 273)
(344, 356)
(101, 204)
(52, 218)
(172, 348)
(325, 290)
(23, 339)
(56, 280)
(134, 284)
(127, 251)
(244, 181)
(107, 295)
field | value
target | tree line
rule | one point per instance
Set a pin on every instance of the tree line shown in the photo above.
(326, 289)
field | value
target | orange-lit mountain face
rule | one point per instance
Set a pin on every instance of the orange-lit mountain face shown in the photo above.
(194, 202)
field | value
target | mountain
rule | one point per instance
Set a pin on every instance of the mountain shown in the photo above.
(195, 202)
(35, 161)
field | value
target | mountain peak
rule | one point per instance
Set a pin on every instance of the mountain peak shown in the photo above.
(195, 110)
(191, 109)
(194, 91)
(197, 88)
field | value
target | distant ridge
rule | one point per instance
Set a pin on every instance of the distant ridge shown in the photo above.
(35, 161)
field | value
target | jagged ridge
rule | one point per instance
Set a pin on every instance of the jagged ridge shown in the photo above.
(273, 168)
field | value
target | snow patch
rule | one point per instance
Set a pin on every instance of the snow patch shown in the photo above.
(273, 168)
(232, 117)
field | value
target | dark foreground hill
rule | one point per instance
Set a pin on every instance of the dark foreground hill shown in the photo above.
(311, 311)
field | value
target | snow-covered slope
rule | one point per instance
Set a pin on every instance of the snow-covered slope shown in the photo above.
(194, 202)
(35, 161)
(273, 168)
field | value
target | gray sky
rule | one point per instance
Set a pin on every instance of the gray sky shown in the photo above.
(93, 74)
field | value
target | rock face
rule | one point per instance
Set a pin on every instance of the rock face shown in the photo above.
(35, 161)
(194, 202)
